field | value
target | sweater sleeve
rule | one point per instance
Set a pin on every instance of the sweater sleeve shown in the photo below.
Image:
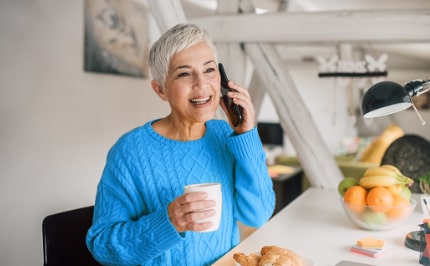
(120, 235)
(255, 198)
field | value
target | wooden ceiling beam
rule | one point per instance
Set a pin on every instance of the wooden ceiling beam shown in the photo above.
(376, 26)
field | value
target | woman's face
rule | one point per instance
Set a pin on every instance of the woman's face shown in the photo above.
(193, 84)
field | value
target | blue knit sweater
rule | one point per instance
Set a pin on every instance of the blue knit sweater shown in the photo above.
(144, 172)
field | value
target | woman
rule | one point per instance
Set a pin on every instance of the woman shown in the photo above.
(141, 216)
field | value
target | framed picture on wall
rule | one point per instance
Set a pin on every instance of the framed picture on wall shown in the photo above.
(116, 37)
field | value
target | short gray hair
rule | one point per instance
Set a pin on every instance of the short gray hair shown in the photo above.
(173, 41)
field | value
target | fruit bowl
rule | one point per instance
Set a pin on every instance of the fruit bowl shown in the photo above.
(377, 218)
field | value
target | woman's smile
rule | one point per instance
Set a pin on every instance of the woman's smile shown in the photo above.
(201, 101)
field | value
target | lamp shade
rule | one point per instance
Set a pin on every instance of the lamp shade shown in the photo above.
(384, 98)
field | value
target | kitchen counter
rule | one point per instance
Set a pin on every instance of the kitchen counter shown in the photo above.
(315, 226)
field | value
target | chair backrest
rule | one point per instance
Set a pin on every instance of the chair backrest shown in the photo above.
(64, 238)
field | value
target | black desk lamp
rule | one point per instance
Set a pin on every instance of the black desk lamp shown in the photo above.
(388, 97)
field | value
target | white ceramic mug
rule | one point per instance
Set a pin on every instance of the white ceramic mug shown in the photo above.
(214, 193)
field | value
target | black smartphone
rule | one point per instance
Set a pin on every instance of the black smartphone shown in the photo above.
(235, 111)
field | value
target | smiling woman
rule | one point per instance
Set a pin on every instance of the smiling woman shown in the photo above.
(141, 215)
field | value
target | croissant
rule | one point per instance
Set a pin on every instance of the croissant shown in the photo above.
(247, 260)
(276, 256)
(270, 256)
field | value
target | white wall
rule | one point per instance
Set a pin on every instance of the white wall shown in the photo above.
(57, 122)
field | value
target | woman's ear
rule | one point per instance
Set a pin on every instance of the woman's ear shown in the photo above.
(158, 89)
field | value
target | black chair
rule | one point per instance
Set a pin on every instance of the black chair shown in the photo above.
(64, 238)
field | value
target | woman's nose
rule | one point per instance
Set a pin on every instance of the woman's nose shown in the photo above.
(199, 81)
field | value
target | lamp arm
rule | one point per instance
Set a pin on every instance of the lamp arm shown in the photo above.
(417, 87)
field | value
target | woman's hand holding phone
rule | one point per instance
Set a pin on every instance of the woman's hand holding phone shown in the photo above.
(236, 102)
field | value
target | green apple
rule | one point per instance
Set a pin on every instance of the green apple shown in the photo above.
(406, 193)
(374, 218)
(346, 183)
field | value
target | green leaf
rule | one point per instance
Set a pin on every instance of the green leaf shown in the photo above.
(425, 178)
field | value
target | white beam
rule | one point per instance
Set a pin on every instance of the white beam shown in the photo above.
(295, 119)
(257, 91)
(271, 76)
(167, 13)
(398, 26)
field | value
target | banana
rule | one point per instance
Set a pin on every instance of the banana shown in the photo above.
(392, 167)
(379, 171)
(384, 176)
(377, 181)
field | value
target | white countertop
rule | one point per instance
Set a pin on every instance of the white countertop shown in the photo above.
(316, 227)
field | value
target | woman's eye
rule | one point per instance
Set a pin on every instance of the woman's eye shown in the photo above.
(209, 70)
(183, 74)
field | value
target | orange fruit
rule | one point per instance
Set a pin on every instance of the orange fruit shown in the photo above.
(399, 209)
(380, 199)
(356, 197)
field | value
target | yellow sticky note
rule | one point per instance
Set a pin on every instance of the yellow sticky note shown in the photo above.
(370, 242)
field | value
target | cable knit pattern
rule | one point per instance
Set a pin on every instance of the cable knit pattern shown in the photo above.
(144, 172)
